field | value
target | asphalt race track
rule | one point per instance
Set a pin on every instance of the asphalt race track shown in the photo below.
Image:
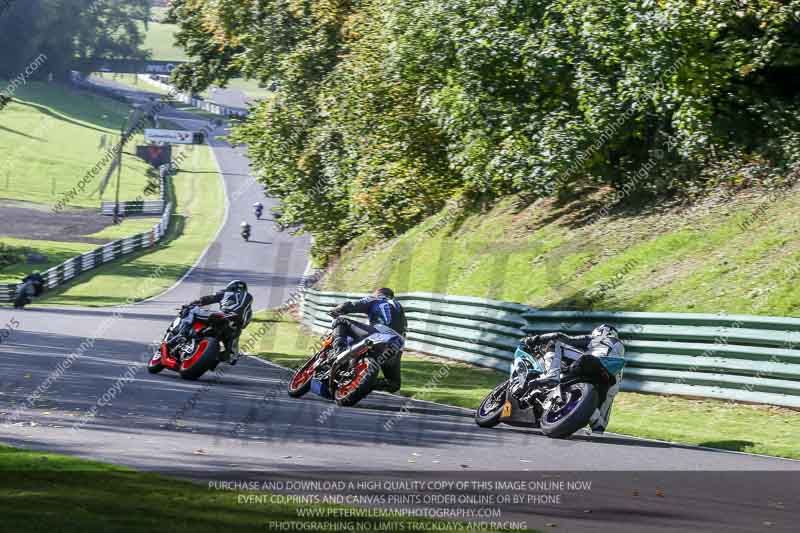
(243, 425)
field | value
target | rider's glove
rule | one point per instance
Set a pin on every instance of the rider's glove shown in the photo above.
(531, 342)
(336, 311)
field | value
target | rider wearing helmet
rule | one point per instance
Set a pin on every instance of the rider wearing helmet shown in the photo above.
(602, 342)
(37, 282)
(385, 314)
(235, 300)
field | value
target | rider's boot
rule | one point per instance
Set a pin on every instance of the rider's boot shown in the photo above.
(340, 344)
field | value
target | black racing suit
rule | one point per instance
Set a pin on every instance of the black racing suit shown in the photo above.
(232, 303)
(37, 281)
(381, 311)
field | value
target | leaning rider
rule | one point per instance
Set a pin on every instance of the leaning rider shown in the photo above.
(385, 315)
(233, 300)
(37, 281)
(579, 349)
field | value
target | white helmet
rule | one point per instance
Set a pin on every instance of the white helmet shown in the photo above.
(605, 330)
(245, 224)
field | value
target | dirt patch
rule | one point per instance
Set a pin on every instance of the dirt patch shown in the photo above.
(27, 220)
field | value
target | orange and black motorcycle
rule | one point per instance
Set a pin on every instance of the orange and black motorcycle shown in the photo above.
(349, 377)
(198, 352)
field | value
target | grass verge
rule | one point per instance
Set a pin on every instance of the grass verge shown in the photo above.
(734, 254)
(198, 190)
(717, 424)
(46, 492)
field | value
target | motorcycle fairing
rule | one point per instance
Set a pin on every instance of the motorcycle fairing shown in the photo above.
(524, 363)
(614, 365)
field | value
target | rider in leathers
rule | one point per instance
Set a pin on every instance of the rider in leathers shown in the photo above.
(385, 315)
(602, 342)
(233, 299)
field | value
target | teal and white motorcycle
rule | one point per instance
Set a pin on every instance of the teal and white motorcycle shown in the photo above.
(560, 410)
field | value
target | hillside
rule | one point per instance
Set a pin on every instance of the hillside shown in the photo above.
(52, 136)
(728, 253)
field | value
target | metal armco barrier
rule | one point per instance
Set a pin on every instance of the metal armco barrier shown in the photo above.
(58, 275)
(194, 101)
(142, 207)
(139, 207)
(729, 357)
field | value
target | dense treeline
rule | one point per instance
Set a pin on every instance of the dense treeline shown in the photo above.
(61, 30)
(385, 109)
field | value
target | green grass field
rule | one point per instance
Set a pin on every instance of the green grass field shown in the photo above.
(160, 41)
(51, 136)
(716, 424)
(199, 192)
(45, 492)
(685, 259)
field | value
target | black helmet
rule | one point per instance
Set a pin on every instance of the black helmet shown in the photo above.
(236, 286)
(385, 291)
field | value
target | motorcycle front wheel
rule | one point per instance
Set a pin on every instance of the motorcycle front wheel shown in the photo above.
(301, 380)
(154, 365)
(488, 413)
(579, 402)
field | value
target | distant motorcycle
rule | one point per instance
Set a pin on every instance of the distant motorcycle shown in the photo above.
(560, 410)
(31, 286)
(245, 231)
(258, 207)
(199, 352)
(347, 378)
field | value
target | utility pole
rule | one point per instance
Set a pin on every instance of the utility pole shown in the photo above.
(123, 134)
(119, 166)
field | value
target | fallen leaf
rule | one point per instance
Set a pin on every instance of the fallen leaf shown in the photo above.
(659, 493)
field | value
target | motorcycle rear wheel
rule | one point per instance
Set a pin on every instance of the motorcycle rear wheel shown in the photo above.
(564, 420)
(488, 413)
(364, 379)
(205, 356)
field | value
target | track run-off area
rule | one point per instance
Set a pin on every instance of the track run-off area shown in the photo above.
(73, 380)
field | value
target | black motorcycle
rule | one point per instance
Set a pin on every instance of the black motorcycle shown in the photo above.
(559, 410)
(246, 233)
(193, 352)
(26, 291)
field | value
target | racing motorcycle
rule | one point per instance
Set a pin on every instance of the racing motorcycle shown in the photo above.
(245, 231)
(200, 351)
(26, 291)
(558, 410)
(258, 207)
(349, 377)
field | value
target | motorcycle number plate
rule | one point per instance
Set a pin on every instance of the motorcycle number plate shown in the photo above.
(506, 410)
